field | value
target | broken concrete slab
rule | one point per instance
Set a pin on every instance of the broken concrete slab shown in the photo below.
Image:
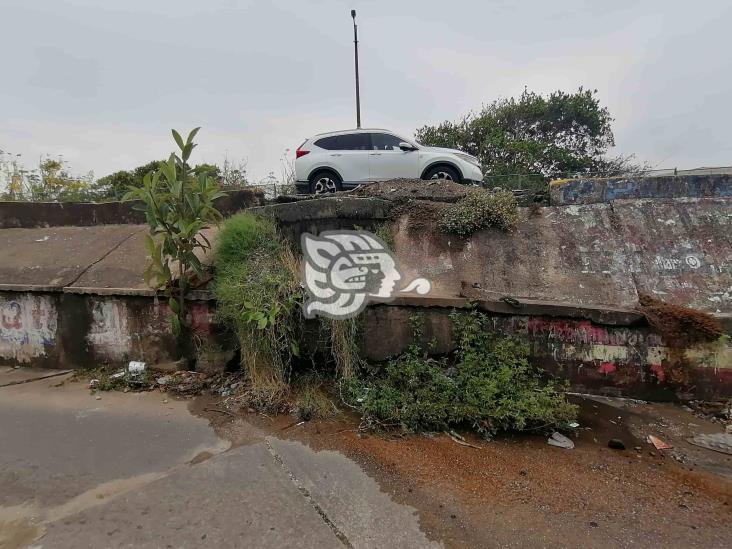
(353, 501)
(15, 376)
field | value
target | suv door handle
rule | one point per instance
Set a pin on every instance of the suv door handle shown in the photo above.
(375, 154)
(336, 154)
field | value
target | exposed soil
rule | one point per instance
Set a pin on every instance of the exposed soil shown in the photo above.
(680, 327)
(519, 491)
(421, 217)
(438, 190)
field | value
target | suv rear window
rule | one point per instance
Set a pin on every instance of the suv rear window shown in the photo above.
(346, 142)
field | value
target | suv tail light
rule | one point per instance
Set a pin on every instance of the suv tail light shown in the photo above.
(300, 151)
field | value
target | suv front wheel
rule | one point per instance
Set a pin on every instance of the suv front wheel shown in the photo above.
(325, 183)
(442, 172)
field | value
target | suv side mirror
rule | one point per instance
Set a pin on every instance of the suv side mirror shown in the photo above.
(407, 147)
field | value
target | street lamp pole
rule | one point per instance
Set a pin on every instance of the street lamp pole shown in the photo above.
(355, 48)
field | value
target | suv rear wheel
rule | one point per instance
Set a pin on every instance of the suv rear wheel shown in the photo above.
(442, 172)
(325, 182)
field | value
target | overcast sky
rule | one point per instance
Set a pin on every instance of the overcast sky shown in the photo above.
(102, 82)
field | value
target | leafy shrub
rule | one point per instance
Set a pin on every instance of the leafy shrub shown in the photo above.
(490, 386)
(480, 209)
(178, 205)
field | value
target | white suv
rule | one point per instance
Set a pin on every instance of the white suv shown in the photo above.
(335, 161)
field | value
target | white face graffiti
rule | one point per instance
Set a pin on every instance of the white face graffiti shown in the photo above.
(344, 270)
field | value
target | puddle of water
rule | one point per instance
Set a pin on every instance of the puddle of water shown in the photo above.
(100, 494)
(19, 526)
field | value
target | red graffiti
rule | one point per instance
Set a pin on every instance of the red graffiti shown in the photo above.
(657, 369)
(607, 368)
(200, 318)
(581, 331)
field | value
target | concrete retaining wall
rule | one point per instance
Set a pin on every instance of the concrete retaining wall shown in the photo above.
(575, 270)
(591, 191)
(68, 330)
(679, 250)
(84, 214)
(630, 360)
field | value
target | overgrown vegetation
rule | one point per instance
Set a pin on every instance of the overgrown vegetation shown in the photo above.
(479, 209)
(488, 384)
(257, 287)
(178, 205)
(259, 298)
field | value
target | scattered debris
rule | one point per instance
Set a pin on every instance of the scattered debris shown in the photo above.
(616, 444)
(712, 410)
(559, 440)
(164, 380)
(461, 440)
(658, 443)
(719, 442)
(291, 425)
(136, 367)
(219, 411)
(44, 239)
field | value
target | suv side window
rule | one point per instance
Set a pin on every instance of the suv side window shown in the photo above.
(347, 142)
(385, 142)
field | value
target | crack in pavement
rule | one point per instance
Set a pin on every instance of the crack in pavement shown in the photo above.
(39, 378)
(306, 494)
(104, 256)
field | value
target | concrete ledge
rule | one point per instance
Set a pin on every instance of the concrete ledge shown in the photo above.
(82, 214)
(328, 208)
(599, 314)
(593, 190)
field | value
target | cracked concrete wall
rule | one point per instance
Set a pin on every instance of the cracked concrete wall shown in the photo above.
(67, 330)
(679, 250)
(613, 360)
(589, 191)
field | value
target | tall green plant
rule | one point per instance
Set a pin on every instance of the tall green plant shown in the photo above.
(178, 205)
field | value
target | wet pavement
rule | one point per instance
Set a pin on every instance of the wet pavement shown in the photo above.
(138, 469)
(146, 470)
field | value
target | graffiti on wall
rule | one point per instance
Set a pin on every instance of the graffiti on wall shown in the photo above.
(109, 335)
(27, 326)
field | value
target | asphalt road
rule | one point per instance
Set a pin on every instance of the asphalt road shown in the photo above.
(139, 470)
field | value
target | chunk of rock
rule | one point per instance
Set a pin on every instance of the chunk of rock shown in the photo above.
(616, 444)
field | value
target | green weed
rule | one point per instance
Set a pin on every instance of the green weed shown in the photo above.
(259, 297)
(489, 385)
(479, 209)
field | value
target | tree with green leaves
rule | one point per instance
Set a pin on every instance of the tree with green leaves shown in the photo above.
(561, 133)
(116, 184)
(178, 206)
